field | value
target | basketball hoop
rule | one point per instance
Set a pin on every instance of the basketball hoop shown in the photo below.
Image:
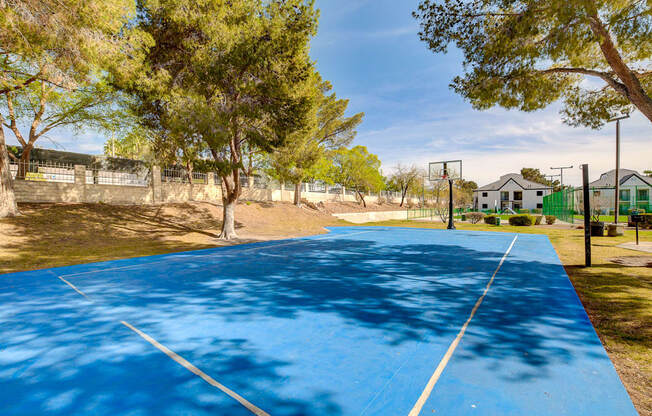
(448, 170)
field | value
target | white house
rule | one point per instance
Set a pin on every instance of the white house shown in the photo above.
(510, 191)
(635, 190)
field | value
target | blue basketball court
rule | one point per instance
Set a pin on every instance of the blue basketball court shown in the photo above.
(361, 321)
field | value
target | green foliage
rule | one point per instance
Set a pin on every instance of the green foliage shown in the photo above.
(326, 128)
(648, 173)
(475, 217)
(491, 219)
(537, 211)
(136, 144)
(252, 91)
(521, 54)
(357, 169)
(550, 219)
(535, 175)
(538, 219)
(523, 211)
(521, 220)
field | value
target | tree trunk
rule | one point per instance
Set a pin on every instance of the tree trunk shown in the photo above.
(228, 219)
(403, 192)
(8, 207)
(364, 204)
(297, 194)
(23, 162)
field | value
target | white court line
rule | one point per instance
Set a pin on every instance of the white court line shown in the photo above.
(253, 409)
(416, 410)
(188, 366)
(145, 264)
(74, 288)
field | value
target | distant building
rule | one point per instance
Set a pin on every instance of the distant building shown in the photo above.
(510, 191)
(635, 190)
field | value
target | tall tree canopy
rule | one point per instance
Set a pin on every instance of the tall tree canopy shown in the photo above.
(527, 54)
(357, 169)
(58, 43)
(223, 75)
(327, 128)
(535, 175)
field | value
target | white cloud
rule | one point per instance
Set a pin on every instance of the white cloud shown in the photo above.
(496, 142)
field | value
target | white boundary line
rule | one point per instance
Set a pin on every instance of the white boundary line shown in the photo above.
(416, 410)
(182, 361)
(145, 264)
(74, 288)
(188, 366)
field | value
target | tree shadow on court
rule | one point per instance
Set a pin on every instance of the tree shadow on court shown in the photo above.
(262, 318)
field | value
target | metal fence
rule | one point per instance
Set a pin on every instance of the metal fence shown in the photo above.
(180, 175)
(123, 178)
(568, 204)
(42, 171)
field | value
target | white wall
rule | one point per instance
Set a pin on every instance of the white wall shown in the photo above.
(530, 198)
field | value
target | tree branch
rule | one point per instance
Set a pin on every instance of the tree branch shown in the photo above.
(606, 76)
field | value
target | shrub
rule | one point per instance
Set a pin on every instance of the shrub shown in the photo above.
(550, 219)
(490, 219)
(524, 211)
(537, 211)
(538, 219)
(475, 217)
(521, 220)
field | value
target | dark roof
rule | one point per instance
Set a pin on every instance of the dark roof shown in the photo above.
(608, 179)
(519, 179)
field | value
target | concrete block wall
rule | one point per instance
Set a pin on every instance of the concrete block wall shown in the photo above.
(156, 192)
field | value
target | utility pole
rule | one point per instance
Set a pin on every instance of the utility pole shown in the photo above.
(552, 180)
(561, 174)
(617, 176)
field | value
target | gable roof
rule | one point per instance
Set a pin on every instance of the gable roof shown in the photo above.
(515, 177)
(608, 179)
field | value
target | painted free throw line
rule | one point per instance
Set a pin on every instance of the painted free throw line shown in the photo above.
(416, 410)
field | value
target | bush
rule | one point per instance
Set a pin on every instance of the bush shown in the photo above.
(538, 219)
(490, 219)
(521, 220)
(537, 211)
(475, 217)
(550, 219)
(524, 211)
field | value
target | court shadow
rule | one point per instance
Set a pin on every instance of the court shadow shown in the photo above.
(269, 319)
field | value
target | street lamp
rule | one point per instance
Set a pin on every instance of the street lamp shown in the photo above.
(617, 180)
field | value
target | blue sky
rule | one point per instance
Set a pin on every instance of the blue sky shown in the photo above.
(370, 51)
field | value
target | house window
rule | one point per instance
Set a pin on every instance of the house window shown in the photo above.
(643, 195)
(624, 195)
(484, 206)
(518, 196)
(539, 206)
(504, 196)
(485, 194)
(539, 193)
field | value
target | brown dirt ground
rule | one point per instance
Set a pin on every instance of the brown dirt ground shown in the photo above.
(51, 235)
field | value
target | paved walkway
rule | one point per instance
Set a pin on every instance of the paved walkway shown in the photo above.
(643, 246)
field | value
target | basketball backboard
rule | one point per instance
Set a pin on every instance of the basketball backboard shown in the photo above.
(446, 170)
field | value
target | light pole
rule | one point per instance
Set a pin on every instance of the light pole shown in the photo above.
(617, 176)
(561, 174)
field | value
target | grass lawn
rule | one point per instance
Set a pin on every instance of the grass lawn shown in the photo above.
(618, 299)
(622, 219)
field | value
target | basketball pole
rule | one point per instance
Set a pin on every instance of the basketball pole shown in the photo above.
(451, 225)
